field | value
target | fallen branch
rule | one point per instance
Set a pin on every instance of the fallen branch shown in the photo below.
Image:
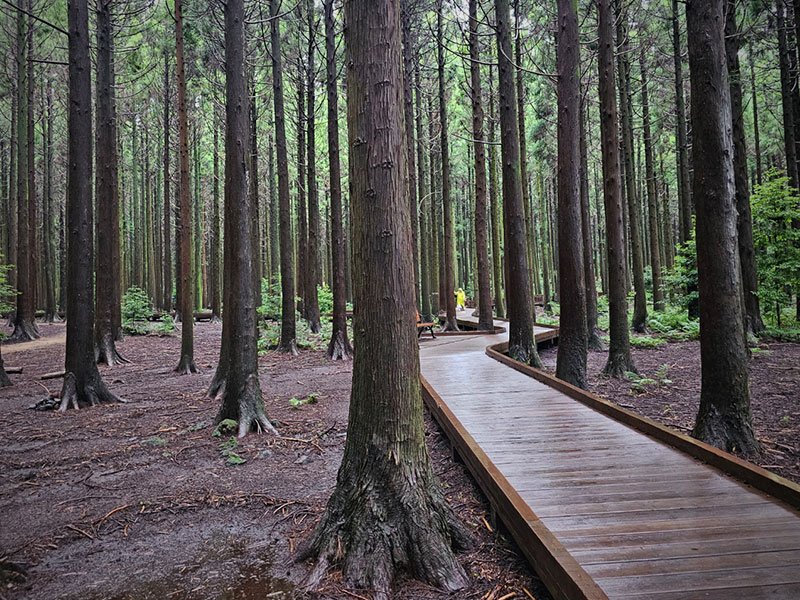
(53, 375)
(13, 370)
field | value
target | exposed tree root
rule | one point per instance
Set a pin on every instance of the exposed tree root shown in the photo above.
(24, 331)
(618, 364)
(186, 365)
(595, 342)
(339, 347)
(106, 353)
(450, 325)
(5, 380)
(51, 317)
(289, 347)
(729, 432)
(383, 522)
(244, 405)
(215, 319)
(525, 353)
(90, 393)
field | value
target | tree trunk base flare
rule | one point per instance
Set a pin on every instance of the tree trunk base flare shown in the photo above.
(314, 325)
(215, 319)
(595, 342)
(91, 392)
(5, 380)
(339, 347)
(186, 365)
(51, 317)
(383, 521)
(105, 352)
(24, 331)
(526, 353)
(289, 347)
(618, 364)
(245, 405)
(177, 318)
(450, 324)
(640, 326)
(731, 433)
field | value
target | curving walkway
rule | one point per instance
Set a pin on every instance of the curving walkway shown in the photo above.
(600, 509)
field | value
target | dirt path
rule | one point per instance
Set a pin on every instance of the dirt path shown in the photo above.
(42, 342)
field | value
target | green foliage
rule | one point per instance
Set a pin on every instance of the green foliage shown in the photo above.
(783, 334)
(155, 441)
(270, 300)
(225, 427)
(7, 293)
(325, 299)
(661, 374)
(647, 342)
(311, 399)
(228, 450)
(682, 279)
(136, 309)
(777, 244)
(638, 383)
(673, 323)
(166, 325)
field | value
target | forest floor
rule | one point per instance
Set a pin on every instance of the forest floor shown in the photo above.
(669, 393)
(136, 501)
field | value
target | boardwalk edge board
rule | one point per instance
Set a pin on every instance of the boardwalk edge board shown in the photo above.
(559, 571)
(765, 481)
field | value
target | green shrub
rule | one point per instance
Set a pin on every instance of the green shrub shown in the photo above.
(646, 342)
(136, 309)
(166, 325)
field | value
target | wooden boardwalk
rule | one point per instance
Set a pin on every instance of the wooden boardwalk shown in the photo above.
(600, 509)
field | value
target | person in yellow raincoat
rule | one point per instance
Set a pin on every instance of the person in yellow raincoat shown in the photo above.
(461, 299)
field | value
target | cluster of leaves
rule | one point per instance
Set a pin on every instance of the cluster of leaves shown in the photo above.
(775, 207)
(646, 342)
(639, 383)
(7, 293)
(682, 279)
(136, 310)
(674, 324)
(298, 402)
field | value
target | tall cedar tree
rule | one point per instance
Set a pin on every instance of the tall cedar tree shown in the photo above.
(485, 321)
(166, 302)
(312, 258)
(106, 190)
(339, 346)
(387, 512)
(186, 364)
(652, 192)
(521, 344)
(590, 282)
(83, 385)
(213, 263)
(682, 152)
(752, 309)
(723, 419)
(236, 380)
(573, 338)
(448, 287)
(619, 349)
(288, 342)
(24, 320)
(408, 89)
(625, 111)
(497, 258)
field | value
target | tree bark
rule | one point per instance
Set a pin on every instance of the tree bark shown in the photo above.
(652, 192)
(302, 206)
(167, 266)
(723, 419)
(619, 350)
(82, 385)
(682, 152)
(288, 341)
(640, 295)
(449, 286)
(339, 347)
(50, 311)
(186, 364)
(25, 318)
(387, 512)
(408, 95)
(572, 340)
(426, 248)
(592, 332)
(236, 380)
(106, 192)
(497, 258)
(213, 263)
(313, 268)
(521, 343)
(752, 310)
(754, 97)
(786, 97)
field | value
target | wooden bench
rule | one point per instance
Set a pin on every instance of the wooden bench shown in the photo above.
(421, 326)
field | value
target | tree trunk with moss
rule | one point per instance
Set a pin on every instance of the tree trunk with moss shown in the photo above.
(723, 419)
(387, 513)
(521, 343)
(82, 385)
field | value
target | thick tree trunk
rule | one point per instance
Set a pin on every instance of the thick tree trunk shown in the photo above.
(339, 346)
(786, 97)
(302, 208)
(619, 350)
(497, 219)
(408, 95)
(106, 191)
(637, 250)
(255, 203)
(752, 310)
(83, 385)
(682, 152)
(652, 192)
(50, 311)
(313, 268)
(33, 242)
(274, 237)
(186, 364)
(426, 249)
(236, 380)
(485, 320)
(288, 341)
(24, 321)
(5, 381)
(521, 344)
(167, 265)
(448, 288)
(723, 419)
(572, 340)
(387, 512)
(213, 263)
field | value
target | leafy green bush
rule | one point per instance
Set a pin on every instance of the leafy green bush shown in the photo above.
(646, 342)
(783, 334)
(166, 325)
(136, 309)
(674, 323)
(325, 298)
(682, 279)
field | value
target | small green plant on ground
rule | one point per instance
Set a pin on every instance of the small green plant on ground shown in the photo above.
(228, 450)
(166, 326)
(136, 309)
(646, 342)
(782, 334)
(310, 399)
(154, 441)
(661, 374)
(674, 324)
(225, 427)
(639, 383)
